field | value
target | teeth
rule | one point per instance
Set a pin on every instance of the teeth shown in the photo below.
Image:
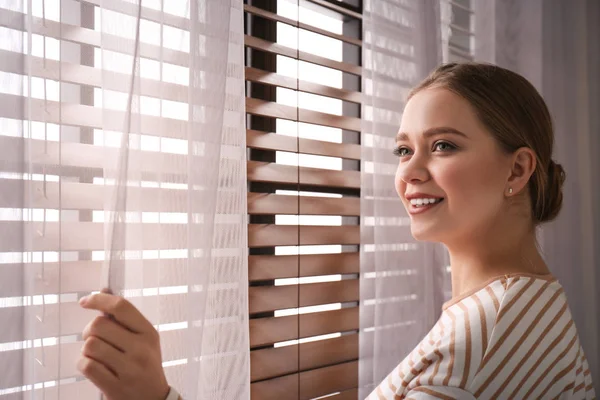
(423, 202)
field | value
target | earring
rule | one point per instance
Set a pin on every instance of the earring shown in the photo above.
(510, 190)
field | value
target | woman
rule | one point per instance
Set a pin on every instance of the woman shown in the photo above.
(474, 173)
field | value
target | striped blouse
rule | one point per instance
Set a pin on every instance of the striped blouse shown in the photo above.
(514, 338)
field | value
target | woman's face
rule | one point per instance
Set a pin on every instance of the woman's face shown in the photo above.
(452, 174)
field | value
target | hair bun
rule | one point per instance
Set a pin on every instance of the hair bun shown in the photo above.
(553, 196)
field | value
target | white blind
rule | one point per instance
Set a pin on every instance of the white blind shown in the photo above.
(122, 163)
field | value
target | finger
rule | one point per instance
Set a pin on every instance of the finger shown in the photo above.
(97, 373)
(109, 331)
(122, 310)
(107, 355)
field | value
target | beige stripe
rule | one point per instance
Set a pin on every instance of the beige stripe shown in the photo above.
(579, 387)
(512, 302)
(402, 376)
(469, 345)
(452, 344)
(380, 393)
(511, 327)
(433, 393)
(559, 376)
(566, 389)
(437, 365)
(552, 364)
(494, 298)
(518, 344)
(578, 370)
(515, 280)
(483, 319)
(390, 384)
(537, 342)
(545, 354)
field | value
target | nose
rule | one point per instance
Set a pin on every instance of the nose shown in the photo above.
(414, 171)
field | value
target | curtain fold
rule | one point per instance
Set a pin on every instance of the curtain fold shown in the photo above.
(123, 165)
(403, 282)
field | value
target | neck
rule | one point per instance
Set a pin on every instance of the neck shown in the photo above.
(495, 253)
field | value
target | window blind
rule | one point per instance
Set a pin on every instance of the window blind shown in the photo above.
(458, 30)
(303, 67)
(75, 78)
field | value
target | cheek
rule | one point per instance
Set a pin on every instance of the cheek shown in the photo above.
(472, 186)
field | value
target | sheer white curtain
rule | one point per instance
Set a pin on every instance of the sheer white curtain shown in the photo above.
(554, 44)
(402, 281)
(122, 164)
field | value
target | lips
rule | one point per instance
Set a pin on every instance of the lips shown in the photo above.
(419, 203)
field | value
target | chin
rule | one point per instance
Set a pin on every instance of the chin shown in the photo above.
(425, 233)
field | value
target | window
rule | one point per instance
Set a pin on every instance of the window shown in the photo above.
(458, 30)
(303, 87)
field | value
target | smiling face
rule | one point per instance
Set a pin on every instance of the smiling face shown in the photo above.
(452, 174)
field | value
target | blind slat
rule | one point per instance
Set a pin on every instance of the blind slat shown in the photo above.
(272, 16)
(265, 235)
(271, 78)
(269, 267)
(271, 298)
(275, 362)
(264, 331)
(68, 318)
(275, 110)
(89, 236)
(13, 62)
(315, 383)
(260, 171)
(264, 203)
(271, 47)
(273, 141)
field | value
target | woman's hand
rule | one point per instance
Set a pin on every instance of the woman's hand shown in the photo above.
(121, 354)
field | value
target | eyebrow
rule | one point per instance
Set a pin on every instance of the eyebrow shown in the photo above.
(403, 136)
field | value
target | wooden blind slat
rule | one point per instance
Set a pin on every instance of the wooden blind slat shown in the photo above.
(273, 267)
(271, 78)
(271, 47)
(275, 362)
(76, 34)
(271, 298)
(11, 61)
(260, 171)
(336, 8)
(68, 318)
(272, 16)
(265, 235)
(273, 141)
(93, 117)
(89, 236)
(328, 380)
(264, 203)
(275, 110)
(315, 383)
(264, 331)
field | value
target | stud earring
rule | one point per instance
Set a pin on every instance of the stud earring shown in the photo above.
(510, 190)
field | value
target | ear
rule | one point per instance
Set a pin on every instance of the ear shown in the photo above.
(523, 163)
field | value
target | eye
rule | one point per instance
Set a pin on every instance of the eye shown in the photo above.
(401, 151)
(443, 146)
